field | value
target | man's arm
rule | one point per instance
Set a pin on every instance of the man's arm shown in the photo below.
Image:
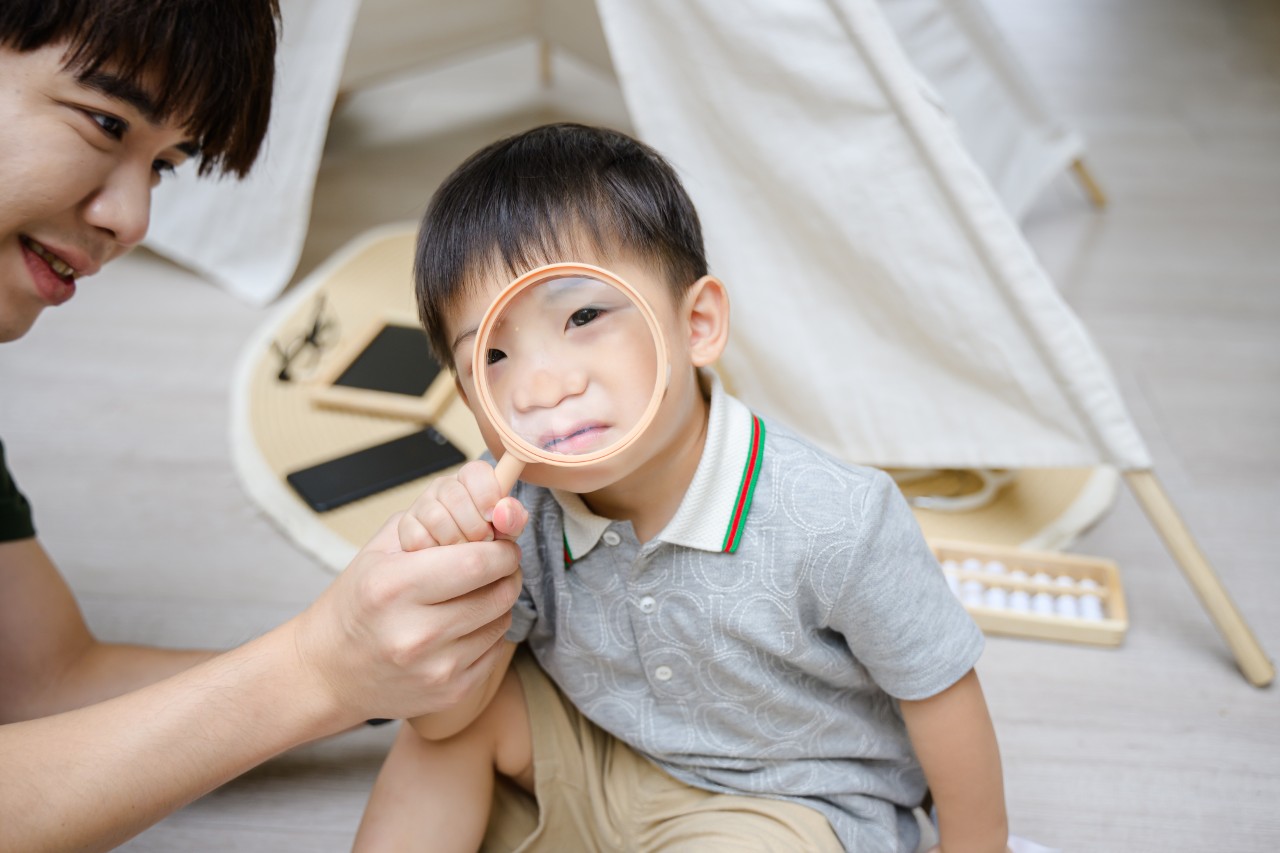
(956, 744)
(49, 660)
(396, 635)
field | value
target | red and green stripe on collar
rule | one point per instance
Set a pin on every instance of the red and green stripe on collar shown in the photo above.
(746, 489)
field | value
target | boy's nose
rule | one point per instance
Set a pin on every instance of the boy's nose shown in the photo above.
(546, 386)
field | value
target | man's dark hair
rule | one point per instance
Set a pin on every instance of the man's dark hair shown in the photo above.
(211, 63)
(533, 198)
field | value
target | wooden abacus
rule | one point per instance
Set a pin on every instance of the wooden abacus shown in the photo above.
(1039, 594)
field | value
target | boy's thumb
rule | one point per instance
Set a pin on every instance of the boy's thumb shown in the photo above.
(509, 518)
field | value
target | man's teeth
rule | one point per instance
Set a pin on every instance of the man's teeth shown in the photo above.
(59, 266)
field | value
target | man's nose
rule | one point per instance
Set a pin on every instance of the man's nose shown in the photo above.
(122, 206)
(546, 385)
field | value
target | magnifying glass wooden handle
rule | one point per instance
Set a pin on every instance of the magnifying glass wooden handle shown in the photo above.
(508, 471)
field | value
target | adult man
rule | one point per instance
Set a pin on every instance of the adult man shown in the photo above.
(98, 100)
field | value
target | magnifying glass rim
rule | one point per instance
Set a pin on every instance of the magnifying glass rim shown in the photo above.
(513, 442)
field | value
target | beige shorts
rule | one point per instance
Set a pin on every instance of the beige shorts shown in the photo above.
(594, 793)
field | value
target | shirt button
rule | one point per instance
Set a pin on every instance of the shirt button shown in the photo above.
(662, 673)
(611, 538)
(648, 605)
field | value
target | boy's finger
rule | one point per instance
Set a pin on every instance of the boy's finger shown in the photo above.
(482, 483)
(412, 534)
(509, 518)
(457, 499)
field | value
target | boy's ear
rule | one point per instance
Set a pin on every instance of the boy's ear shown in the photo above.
(707, 312)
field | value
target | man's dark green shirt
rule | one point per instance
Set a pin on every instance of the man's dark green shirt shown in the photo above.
(15, 512)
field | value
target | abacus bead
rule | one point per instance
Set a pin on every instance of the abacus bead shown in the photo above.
(1091, 607)
(996, 597)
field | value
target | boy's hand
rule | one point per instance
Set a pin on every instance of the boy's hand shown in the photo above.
(469, 507)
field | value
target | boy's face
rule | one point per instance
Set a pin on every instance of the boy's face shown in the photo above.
(78, 161)
(571, 365)
(554, 386)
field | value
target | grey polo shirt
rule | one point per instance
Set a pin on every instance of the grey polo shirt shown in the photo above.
(757, 645)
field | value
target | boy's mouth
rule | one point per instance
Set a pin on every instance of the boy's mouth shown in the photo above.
(581, 438)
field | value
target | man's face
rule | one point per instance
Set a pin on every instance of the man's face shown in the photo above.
(78, 161)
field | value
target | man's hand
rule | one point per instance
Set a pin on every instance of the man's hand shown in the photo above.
(469, 507)
(402, 633)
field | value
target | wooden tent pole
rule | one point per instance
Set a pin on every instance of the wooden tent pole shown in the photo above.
(1250, 657)
(1090, 184)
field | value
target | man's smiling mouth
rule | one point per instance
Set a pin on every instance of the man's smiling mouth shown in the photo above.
(57, 264)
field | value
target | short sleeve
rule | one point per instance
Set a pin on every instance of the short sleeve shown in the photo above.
(15, 511)
(895, 610)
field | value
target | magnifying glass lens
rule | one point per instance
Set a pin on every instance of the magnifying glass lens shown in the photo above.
(571, 365)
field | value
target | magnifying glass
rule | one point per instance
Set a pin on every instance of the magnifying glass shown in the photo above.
(570, 366)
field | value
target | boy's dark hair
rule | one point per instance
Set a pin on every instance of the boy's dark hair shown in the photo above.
(211, 63)
(527, 200)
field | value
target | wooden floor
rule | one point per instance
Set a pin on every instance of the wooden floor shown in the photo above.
(115, 418)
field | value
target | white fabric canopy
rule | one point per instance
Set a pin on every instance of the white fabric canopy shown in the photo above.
(1006, 125)
(884, 301)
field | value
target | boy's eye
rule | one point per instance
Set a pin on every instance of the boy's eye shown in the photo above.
(493, 356)
(583, 316)
(111, 126)
(163, 168)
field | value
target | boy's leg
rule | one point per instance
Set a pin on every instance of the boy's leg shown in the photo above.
(677, 818)
(720, 823)
(435, 795)
(568, 811)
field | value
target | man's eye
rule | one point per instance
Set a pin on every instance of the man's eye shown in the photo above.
(163, 168)
(583, 316)
(493, 356)
(111, 126)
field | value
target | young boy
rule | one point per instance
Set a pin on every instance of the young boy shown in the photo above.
(749, 645)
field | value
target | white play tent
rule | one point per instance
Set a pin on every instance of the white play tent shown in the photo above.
(885, 301)
(1008, 128)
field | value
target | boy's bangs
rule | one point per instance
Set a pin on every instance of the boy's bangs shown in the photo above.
(555, 239)
(502, 242)
(209, 64)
